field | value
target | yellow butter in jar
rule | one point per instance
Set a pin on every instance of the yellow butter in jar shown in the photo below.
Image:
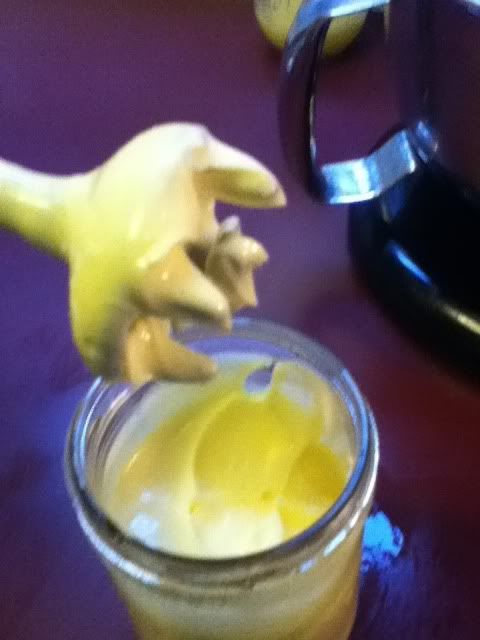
(224, 511)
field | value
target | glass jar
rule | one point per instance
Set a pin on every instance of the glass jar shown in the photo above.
(305, 588)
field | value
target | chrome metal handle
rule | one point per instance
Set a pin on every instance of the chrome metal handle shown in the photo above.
(337, 182)
(472, 5)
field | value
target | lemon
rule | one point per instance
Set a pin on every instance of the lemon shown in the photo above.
(275, 18)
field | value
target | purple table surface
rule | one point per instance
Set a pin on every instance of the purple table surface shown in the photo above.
(77, 79)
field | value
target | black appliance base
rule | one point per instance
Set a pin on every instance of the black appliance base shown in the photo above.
(418, 248)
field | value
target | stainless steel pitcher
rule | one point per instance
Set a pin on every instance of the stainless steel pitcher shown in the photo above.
(435, 46)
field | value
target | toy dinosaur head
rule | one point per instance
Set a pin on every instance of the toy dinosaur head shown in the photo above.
(146, 251)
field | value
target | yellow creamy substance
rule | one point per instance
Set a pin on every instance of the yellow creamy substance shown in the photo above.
(233, 472)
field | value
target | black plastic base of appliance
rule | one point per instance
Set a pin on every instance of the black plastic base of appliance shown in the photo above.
(418, 248)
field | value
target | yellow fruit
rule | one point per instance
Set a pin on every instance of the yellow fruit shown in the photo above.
(275, 18)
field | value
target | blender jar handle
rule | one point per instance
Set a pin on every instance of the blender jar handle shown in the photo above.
(338, 182)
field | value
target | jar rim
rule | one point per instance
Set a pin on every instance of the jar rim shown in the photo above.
(152, 566)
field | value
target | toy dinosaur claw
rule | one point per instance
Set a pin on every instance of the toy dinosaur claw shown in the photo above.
(232, 176)
(175, 288)
(150, 354)
(231, 262)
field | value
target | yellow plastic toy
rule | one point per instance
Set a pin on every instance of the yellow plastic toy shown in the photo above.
(145, 250)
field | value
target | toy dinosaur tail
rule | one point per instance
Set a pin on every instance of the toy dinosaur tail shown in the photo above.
(32, 204)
